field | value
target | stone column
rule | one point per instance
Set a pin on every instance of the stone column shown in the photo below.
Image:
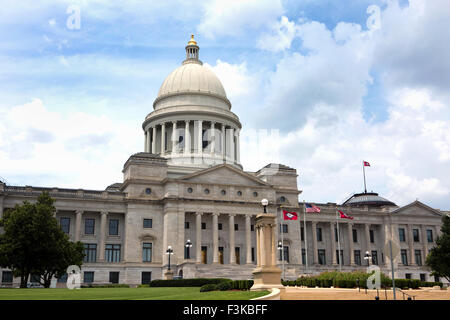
(314, 235)
(215, 222)
(78, 218)
(213, 138)
(102, 237)
(174, 138)
(163, 139)
(350, 243)
(146, 141)
(262, 248)
(154, 139)
(411, 245)
(187, 139)
(200, 138)
(198, 237)
(238, 153)
(258, 248)
(222, 137)
(248, 240)
(424, 239)
(367, 232)
(230, 146)
(333, 244)
(232, 244)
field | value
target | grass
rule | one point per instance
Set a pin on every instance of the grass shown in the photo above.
(179, 293)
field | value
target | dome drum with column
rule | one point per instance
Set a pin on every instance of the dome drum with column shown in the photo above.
(192, 124)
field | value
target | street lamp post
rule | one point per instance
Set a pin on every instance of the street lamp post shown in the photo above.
(367, 257)
(169, 252)
(188, 246)
(265, 202)
(280, 247)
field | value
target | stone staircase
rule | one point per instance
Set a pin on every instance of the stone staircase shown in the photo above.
(234, 272)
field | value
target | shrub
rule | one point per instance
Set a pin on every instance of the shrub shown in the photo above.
(115, 285)
(225, 285)
(194, 282)
(242, 284)
(208, 287)
(143, 286)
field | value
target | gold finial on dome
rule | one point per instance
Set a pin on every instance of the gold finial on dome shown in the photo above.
(192, 41)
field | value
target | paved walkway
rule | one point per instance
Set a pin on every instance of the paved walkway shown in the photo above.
(295, 293)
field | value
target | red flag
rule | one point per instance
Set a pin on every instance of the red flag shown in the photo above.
(344, 216)
(289, 215)
(366, 164)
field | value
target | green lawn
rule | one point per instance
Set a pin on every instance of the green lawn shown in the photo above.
(179, 293)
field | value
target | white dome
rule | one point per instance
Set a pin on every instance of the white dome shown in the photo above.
(192, 78)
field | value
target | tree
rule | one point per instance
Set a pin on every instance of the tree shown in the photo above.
(439, 257)
(33, 243)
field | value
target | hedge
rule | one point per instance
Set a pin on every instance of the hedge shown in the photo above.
(208, 287)
(115, 285)
(242, 284)
(194, 282)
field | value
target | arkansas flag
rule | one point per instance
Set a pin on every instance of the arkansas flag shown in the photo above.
(311, 208)
(366, 164)
(290, 215)
(344, 216)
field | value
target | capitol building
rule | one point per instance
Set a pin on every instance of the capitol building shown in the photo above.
(187, 190)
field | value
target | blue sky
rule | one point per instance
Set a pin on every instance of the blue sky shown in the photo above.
(338, 89)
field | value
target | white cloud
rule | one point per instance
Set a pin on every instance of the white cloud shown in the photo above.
(79, 150)
(280, 37)
(235, 17)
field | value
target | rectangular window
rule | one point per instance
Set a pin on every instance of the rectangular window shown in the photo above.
(371, 236)
(252, 227)
(90, 252)
(321, 253)
(146, 277)
(374, 257)
(422, 277)
(65, 225)
(89, 226)
(283, 228)
(302, 233)
(304, 256)
(88, 276)
(236, 227)
(112, 253)
(355, 235)
(418, 256)
(401, 235)
(416, 235)
(113, 227)
(404, 256)
(203, 225)
(147, 252)
(319, 234)
(7, 277)
(407, 275)
(357, 256)
(430, 235)
(114, 277)
(339, 257)
(220, 226)
(285, 254)
(148, 223)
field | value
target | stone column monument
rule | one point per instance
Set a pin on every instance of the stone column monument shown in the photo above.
(266, 275)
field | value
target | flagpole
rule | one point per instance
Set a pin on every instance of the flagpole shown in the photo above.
(364, 174)
(304, 235)
(282, 242)
(339, 243)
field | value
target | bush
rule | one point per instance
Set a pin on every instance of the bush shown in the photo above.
(143, 286)
(194, 282)
(242, 284)
(208, 287)
(115, 285)
(225, 285)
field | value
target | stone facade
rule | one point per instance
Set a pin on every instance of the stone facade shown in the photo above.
(189, 187)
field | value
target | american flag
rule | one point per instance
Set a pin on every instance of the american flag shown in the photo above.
(311, 208)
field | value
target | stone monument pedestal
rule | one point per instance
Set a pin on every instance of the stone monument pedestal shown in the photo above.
(168, 275)
(266, 275)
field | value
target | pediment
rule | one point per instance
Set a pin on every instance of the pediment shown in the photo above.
(224, 174)
(417, 209)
